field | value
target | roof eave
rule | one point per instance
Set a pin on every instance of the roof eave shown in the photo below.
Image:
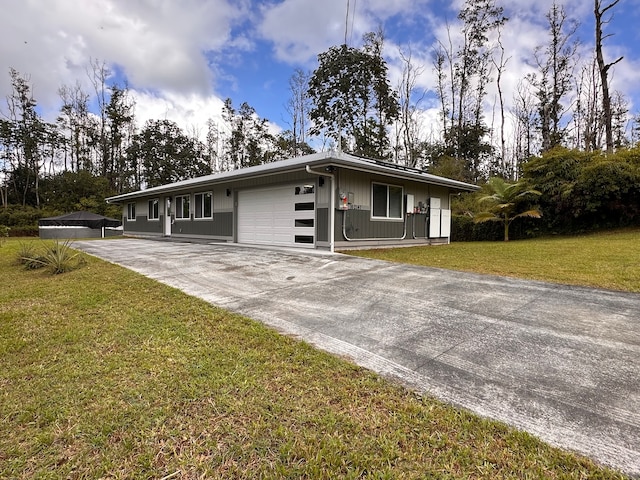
(321, 159)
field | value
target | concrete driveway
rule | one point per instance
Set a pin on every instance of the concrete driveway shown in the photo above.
(562, 363)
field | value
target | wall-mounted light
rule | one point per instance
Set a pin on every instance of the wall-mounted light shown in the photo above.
(228, 192)
(320, 181)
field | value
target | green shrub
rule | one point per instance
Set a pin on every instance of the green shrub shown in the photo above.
(464, 229)
(56, 257)
(25, 231)
(4, 233)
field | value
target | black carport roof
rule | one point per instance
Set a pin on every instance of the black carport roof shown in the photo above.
(79, 219)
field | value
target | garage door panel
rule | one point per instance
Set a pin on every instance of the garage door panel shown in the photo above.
(268, 216)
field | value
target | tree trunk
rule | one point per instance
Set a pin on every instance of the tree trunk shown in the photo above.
(604, 71)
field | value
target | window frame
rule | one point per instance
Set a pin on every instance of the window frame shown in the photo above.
(388, 202)
(154, 209)
(131, 211)
(179, 201)
(201, 205)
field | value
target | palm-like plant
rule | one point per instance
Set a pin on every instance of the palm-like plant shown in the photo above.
(503, 203)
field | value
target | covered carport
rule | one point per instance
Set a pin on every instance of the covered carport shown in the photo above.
(79, 225)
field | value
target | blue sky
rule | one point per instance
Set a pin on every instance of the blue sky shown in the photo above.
(181, 59)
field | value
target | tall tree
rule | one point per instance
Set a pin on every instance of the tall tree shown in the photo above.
(298, 107)
(385, 98)
(587, 113)
(352, 97)
(119, 134)
(463, 75)
(75, 127)
(166, 154)
(500, 64)
(25, 137)
(249, 142)
(524, 136)
(98, 75)
(408, 131)
(600, 11)
(556, 63)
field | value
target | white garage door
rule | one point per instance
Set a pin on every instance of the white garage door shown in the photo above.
(277, 216)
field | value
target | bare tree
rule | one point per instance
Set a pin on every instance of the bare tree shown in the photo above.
(587, 116)
(298, 107)
(600, 11)
(556, 62)
(74, 118)
(467, 77)
(524, 114)
(98, 74)
(410, 99)
(500, 65)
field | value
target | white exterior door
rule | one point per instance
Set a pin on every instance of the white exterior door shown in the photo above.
(277, 216)
(166, 229)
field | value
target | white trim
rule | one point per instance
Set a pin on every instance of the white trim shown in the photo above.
(195, 205)
(149, 217)
(129, 217)
(180, 217)
(388, 218)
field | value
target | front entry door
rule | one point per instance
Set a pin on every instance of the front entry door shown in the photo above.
(167, 217)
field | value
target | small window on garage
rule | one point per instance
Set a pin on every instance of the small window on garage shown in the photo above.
(386, 201)
(182, 207)
(304, 222)
(131, 211)
(154, 211)
(203, 205)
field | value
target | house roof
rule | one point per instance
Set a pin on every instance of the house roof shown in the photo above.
(315, 161)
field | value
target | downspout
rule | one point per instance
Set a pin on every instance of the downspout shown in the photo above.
(332, 204)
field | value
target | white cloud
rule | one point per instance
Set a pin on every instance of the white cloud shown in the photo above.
(190, 111)
(157, 44)
(301, 29)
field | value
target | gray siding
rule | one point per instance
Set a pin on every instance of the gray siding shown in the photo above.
(76, 232)
(358, 225)
(220, 226)
(417, 226)
(322, 222)
(359, 184)
(143, 225)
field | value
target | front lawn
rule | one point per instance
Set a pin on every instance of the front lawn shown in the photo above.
(606, 260)
(108, 374)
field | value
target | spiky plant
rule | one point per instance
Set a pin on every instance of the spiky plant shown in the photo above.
(57, 257)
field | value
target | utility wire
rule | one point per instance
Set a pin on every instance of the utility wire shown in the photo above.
(346, 24)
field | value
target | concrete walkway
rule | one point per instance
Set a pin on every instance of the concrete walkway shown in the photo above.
(562, 363)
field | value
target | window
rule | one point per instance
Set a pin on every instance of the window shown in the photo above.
(304, 222)
(203, 205)
(304, 206)
(182, 207)
(131, 211)
(304, 189)
(154, 211)
(386, 201)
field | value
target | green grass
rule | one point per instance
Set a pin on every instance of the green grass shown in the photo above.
(108, 374)
(608, 260)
